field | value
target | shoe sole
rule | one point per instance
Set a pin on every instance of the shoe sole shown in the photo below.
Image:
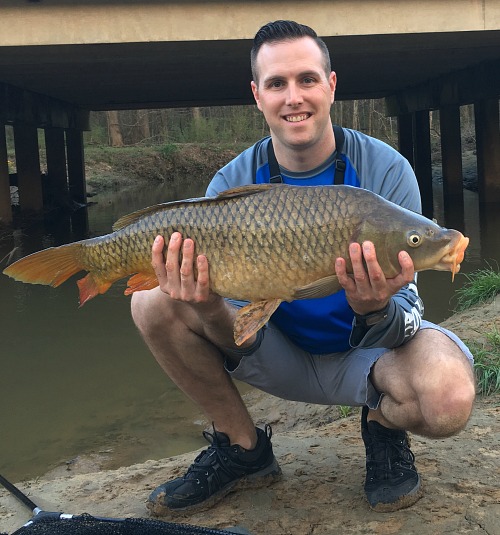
(263, 478)
(402, 503)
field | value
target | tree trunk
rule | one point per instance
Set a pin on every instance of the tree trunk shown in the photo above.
(115, 134)
(371, 108)
(143, 122)
(164, 116)
(196, 114)
(355, 115)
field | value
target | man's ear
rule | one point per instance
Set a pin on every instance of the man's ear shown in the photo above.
(255, 91)
(332, 80)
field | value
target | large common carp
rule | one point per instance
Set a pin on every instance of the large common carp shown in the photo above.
(264, 244)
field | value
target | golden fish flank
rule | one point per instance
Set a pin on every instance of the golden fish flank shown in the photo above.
(265, 244)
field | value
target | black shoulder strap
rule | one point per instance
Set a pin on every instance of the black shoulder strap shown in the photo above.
(274, 168)
(338, 132)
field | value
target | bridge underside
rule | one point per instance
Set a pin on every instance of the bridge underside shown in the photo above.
(53, 86)
(202, 73)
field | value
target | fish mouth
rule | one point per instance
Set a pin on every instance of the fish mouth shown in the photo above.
(452, 259)
(297, 117)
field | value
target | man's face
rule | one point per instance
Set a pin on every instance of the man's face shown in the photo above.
(293, 92)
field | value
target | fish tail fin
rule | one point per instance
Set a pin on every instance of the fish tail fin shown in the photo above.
(53, 266)
(50, 267)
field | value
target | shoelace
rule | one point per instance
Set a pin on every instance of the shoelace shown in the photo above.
(386, 455)
(214, 454)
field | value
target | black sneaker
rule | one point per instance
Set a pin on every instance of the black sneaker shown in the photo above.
(216, 471)
(392, 481)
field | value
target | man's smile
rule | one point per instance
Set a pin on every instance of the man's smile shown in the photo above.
(297, 118)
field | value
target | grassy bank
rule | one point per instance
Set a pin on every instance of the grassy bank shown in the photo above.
(108, 168)
(482, 287)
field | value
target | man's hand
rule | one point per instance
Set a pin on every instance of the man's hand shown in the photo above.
(367, 290)
(182, 282)
(188, 282)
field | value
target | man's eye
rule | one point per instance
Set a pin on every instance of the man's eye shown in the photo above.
(308, 80)
(276, 84)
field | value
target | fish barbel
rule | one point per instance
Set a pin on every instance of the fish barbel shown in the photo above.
(264, 244)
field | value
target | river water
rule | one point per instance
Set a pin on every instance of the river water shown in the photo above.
(78, 381)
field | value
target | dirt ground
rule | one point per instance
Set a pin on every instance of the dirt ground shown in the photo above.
(322, 458)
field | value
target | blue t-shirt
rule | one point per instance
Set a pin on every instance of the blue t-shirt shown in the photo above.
(324, 325)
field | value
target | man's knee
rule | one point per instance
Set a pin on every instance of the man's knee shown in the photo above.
(447, 405)
(149, 310)
(432, 372)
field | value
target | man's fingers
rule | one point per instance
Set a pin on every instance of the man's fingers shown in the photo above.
(202, 282)
(358, 267)
(174, 246)
(375, 273)
(407, 267)
(157, 258)
(341, 272)
(406, 275)
(181, 274)
(186, 270)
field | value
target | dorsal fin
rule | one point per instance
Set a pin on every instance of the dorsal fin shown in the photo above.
(128, 219)
(240, 191)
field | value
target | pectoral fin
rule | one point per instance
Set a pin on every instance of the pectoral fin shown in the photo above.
(320, 288)
(252, 317)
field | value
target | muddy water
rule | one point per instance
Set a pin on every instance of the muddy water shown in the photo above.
(80, 380)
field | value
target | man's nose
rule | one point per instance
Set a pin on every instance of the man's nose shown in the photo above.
(294, 95)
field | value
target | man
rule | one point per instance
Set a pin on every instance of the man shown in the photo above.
(366, 345)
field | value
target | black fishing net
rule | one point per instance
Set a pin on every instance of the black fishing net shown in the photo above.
(53, 523)
(88, 525)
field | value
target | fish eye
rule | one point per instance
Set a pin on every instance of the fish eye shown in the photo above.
(414, 239)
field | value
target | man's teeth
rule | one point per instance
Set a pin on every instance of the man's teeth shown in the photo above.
(296, 118)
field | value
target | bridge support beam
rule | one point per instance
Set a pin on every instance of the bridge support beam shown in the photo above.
(423, 164)
(29, 180)
(28, 111)
(488, 149)
(55, 148)
(478, 85)
(76, 166)
(405, 137)
(451, 151)
(5, 203)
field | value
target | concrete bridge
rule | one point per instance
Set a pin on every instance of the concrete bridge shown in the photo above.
(59, 59)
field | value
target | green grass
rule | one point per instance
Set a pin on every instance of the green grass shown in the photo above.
(481, 287)
(487, 363)
(344, 411)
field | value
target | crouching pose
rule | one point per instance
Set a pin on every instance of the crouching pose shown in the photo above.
(366, 345)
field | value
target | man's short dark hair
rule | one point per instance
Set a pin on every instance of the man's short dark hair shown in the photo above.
(286, 30)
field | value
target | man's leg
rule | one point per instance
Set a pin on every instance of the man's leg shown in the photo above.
(174, 335)
(427, 385)
(239, 453)
(428, 388)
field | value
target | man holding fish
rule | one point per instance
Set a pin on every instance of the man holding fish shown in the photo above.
(366, 345)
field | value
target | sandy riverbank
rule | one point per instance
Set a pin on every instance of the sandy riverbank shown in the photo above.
(323, 464)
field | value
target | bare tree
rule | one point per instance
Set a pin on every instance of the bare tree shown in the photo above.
(143, 122)
(115, 134)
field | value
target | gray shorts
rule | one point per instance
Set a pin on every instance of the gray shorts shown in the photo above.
(331, 379)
